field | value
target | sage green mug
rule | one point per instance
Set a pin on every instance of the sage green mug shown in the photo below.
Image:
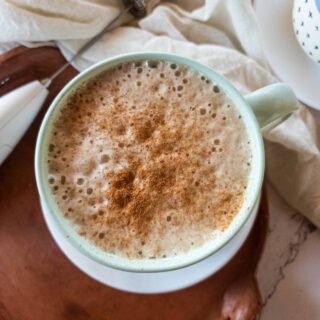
(263, 107)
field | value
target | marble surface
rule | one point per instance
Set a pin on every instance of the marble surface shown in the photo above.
(288, 272)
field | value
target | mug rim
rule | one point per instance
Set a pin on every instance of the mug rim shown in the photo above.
(92, 251)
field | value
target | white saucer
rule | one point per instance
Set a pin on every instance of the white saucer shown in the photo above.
(152, 282)
(287, 59)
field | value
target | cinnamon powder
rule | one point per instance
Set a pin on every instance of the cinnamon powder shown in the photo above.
(144, 190)
(155, 161)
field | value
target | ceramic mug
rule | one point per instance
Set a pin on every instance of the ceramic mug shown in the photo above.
(265, 106)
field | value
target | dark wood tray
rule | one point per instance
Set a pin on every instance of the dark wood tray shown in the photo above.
(36, 279)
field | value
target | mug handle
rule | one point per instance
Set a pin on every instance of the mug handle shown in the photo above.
(272, 104)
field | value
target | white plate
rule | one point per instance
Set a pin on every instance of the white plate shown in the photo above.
(152, 282)
(287, 59)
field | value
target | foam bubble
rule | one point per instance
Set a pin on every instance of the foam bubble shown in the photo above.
(51, 147)
(173, 66)
(153, 64)
(80, 181)
(104, 158)
(216, 89)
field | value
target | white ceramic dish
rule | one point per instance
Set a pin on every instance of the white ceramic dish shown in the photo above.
(288, 61)
(306, 23)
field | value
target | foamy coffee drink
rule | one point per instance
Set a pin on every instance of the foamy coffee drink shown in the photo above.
(149, 160)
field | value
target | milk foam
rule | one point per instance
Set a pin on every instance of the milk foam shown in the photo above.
(176, 133)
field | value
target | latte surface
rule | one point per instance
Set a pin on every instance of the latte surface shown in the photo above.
(149, 160)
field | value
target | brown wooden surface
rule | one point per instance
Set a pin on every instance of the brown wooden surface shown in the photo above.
(36, 279)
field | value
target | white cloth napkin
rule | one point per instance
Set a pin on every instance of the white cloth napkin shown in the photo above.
(220, 33)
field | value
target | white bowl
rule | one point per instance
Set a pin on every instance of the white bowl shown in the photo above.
(306, 24)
